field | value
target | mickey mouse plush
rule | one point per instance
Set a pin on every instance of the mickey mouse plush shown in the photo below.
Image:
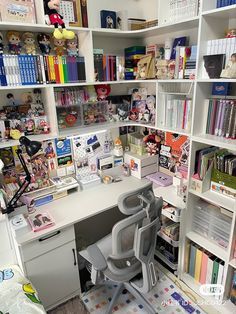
(51, 8)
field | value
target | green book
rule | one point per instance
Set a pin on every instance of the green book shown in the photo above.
(65, 69)
(209, 117)
(215, 270)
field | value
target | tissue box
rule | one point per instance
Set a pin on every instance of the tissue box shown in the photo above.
(141, 166)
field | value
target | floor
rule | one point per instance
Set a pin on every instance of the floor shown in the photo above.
(73, 306)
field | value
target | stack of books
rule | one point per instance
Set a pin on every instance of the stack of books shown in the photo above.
(178, 114)
(132, 57)
(17, 70)
(224, 3)
(183, 9)
(203, 266)
(225, 46)
(105, 66)
(221, 118)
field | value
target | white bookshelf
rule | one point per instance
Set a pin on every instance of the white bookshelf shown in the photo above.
(209, 24)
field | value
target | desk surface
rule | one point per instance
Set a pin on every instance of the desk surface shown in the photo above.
(82, 205)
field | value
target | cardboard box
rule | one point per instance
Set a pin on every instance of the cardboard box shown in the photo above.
(141, 166)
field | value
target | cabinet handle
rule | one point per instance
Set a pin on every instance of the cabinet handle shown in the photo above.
(75, 263)
(50, 236)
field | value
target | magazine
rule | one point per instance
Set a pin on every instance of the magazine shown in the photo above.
(40, 221)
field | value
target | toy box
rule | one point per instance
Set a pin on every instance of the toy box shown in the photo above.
(141, 166)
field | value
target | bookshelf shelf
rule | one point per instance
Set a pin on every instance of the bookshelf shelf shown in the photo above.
(168, 239)
(166, 261)
(168, 193)
(215, 141)
(216, 199)
(222, 13)
(208, 245)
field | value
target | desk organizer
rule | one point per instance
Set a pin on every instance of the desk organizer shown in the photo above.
(211, 222)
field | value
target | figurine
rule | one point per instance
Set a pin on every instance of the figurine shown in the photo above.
(1, 43)
(59, 46)
(72, 47)
(44, 43)
(152, 141)
(102, 90)
(118, 149)
(231, 33)
(51, 8)
(11, 100)
(123, 111)
(29, 43)
(14, 44)
(133, 115)
(230, 70)
(151, 101)
(30, 126)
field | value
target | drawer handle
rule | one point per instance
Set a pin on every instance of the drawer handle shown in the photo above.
(50, 236)
(73, 250)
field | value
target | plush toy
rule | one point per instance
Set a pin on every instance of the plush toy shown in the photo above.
(44, 43)
(51, 8)
(102, 90)
(29, 43)
(72, 47)
(59, 46)
(14, 42)
(1, 43)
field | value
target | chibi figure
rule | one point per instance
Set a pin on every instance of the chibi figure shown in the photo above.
(44, 43)
(231, 33)
(51, 8)
(109, 22)
(1, 43)
(72, 47)
(152, 141)
(151, 101)
(133, 115)
(14, 42)
(30, 126)
(230, 70)
(29, 43)
(102, 90)
(59, 46)
(123, 111)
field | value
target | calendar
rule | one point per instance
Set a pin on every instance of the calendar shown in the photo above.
(70, 10)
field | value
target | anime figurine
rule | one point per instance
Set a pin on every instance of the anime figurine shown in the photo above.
(231, 33)
(123, 111)
(11, 100)
(51, 8)
(72, 47)
(151, 101)
(118, 149)
(102, 90)
(59, 46)
(30, 126)
(152, 141)
(230, 70)
(49, 151)
(44, 43)
(133, 115)
(111, 109)
(29, 43)
(14, 42)
(1, 43)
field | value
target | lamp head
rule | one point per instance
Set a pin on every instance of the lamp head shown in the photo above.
(32, 147)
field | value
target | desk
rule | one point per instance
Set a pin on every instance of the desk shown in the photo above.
(49, 257)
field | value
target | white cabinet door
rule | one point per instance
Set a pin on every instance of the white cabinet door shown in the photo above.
(55, 274)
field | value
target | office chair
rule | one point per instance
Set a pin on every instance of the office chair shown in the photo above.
(129, 250)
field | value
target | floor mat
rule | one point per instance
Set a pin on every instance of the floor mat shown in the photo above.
(165, 298)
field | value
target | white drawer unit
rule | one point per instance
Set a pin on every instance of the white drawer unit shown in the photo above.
(51, 264)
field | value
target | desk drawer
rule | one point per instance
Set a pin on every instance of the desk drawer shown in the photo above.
(47, 243)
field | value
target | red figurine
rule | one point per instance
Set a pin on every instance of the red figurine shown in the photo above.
(102, 90)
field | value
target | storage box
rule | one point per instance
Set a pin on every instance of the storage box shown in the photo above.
(141, 166)
(223, 183)
(222, 88)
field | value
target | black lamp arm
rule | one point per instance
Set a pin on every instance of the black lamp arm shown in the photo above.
(23, 186)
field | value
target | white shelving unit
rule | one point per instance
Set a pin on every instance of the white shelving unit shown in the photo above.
(211, 23)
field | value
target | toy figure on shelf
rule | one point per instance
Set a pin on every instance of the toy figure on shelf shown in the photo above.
(11, 100)
(102, 90)
(231, 33)
(72, 47)
(230, 70)
(51, 8)
(29, 43)
(133, 115)
(59, 46)
(1, 43)
(152, 141)
(44, 43)
(118, 149)
(123, 111)
(30, 126)
(14, 42)
(151, 101)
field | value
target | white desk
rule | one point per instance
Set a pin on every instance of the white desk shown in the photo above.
(49, 257)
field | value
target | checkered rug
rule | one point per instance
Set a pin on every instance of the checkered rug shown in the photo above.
(165, 298)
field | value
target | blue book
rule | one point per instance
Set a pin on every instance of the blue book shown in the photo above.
(180, 41)
(3, 80)
(192, 259)
(219, 4)
(108, 19)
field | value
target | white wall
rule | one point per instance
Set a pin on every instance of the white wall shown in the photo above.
(146, 9)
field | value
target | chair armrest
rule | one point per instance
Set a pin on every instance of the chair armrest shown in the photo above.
(96, 258)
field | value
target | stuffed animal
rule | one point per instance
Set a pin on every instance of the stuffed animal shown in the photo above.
(44, 43)
(14, 42)
(51, 8)
(152, 141)
(29, 43)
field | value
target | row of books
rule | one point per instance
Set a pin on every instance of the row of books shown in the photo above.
(178, 114)
(203, 266)
(225, 3)
(184, 9)
(225, 46)
(185, 62)
(221, 118)
(108, 67)
(17, 70)
(132, 56)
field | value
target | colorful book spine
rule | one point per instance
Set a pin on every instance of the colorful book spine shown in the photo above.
(192, 259)
(203, 273)
(198, 264)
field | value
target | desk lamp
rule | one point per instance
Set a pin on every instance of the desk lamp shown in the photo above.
(32, 147)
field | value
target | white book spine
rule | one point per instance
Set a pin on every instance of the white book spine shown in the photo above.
(209, 270)
(209, 44)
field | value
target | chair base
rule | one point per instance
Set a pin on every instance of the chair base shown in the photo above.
(135, 293)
